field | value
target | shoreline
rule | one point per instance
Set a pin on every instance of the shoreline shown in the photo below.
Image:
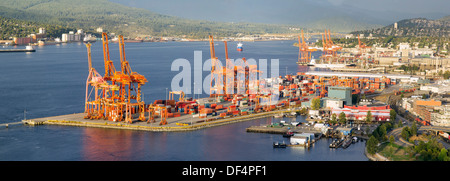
(78, 120)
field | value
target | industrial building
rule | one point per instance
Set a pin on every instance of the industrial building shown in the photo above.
(392, 77)
(379, 112)
(338, 94)
(345, 131)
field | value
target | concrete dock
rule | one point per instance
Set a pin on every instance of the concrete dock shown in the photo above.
(282, 130)
(182, 123)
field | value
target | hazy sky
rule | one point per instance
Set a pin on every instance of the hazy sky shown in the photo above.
(296, 11)
(418, 6)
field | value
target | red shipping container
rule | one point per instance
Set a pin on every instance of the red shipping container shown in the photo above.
(218, 107)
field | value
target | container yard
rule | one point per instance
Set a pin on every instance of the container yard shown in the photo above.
(113, 100)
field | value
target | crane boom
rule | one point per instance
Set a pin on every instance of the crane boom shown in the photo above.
(109, 66)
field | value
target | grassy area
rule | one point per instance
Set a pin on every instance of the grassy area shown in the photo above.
(394, 152)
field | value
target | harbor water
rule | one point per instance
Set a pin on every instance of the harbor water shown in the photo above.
(51, 82)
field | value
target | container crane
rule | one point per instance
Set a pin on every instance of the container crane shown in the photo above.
(172, 94)
(216, 71)
(329, 48)
(128, 90)
(304, 51)
(161, 110)
(92, 108)
(96, 109)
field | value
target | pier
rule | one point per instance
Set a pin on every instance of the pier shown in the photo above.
(27, 49)
(182, 123)
(6, 125)
(15, 50)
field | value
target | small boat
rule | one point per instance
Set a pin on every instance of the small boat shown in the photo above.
(278, 115)
(294, 123)
(288, 134)
(354, 139)
(239, 47)
(347, 143)
(279, 145)
(336, 143)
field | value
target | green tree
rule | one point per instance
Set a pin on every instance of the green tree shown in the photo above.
(446, 75)
(400, 123)
(393, 115)
(315, 103)
(405, 133)
(372, 145)
(342, 118)
(382, 133)
(391, 139)
(333, 118)
(369, 117)
(413, 131)
(443, 155)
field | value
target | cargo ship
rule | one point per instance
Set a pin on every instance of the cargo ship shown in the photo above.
(239, 47)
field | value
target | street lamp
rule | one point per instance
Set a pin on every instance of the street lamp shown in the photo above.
(165, 102)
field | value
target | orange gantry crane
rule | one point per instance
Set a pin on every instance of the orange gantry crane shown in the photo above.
(362, 46)
(120, 98)
(130, 89)
(154, 110)
(93, 108)
(172, 94)
(216, 71)
(329, 48)
(304, 51)
(240, 75)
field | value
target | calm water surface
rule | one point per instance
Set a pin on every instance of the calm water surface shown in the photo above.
(51, 81)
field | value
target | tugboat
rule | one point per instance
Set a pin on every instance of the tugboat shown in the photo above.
(279, 145)
(288, 134)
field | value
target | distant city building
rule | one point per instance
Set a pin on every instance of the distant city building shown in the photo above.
(22, 40)
(395, 26)
(41, 30)
(99, 29)
(72, 37)
(442, 118)
(348, 36)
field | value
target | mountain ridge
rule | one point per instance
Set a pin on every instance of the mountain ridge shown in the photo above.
(125, 20)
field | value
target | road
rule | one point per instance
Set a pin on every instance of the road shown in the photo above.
(398, 138)
(402, 142)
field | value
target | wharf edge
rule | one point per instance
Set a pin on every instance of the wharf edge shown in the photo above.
(145, 126)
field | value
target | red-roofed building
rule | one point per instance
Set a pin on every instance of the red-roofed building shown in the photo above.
(379, 112)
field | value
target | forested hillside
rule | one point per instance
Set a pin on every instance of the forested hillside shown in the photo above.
(414, 27)
(114, 17)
